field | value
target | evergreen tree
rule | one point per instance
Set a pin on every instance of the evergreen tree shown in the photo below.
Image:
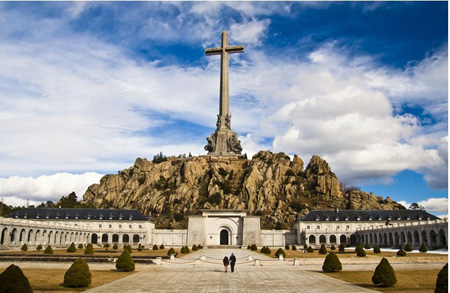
(376, 249)
(280, 251)
(254, 247)
(442, 280)
(48, 250)
(115, 246)
(423, 248)
(194, 247)
(89, 249)
(72, 248)
(401, 252)
(332, 263)
(384, 274)
(310, 249)
(294, 248)
(323, 249)
(24, 247)
(408, 247)
(161, 246)
(39, 247)
(171, 251)
(155, 247)
(12, 280)
(249, 247)
(342, 247)
(128, 247)
(125, 262)
(367, 246)
(360, 251)
(78, 275)
(287, 247)
(80, 246)
(333, 247)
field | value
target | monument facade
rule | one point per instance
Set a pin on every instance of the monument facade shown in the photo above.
(224, 141)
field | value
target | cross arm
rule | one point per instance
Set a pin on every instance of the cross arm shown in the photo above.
(213, 51)
(234, 49)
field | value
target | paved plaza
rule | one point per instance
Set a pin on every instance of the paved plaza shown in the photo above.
(188, 275)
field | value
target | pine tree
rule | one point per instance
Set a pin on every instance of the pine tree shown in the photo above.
(155, 247)
(128, 247)
(384, 274)
(194, 247)
(376, 249)
(78, 275)
(408, 247)
(24, 247)
(80, 246)
(125, 262)
(442, 280)
(401, 252)
(48, 250)
(423, 248)
(323, 249)
(72, 248)
(12, 280)
(115, 246)
(332, 263)
(360, 251)
(39, 247)
(89, 249)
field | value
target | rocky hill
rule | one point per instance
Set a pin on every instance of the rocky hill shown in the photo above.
(271, 185)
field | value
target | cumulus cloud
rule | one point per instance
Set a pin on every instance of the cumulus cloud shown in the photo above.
(432, 205)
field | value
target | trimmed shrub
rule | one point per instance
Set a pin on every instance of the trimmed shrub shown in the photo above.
(161, 246)
(294, 247)
(332, 263)
(310, 249)
(48, 250)
(140, 247)
(442, 280)
(367, 246)
(280, 251)
(384, 274)
(78, 275)
(39, 247)
(115, 246)
(268, 251)
(89, 249)
(194, 247)
(71, 248)
(249, 247)
(401, 252)
(287, 247)
(360, 251)
(125, 262)
(80, 246)
(376, 249)
(185, 249)
(323, 249)
(333, 247)
(342, 247)
(200, 246)
(263, 249)
(408, 247)
(305, 247)
(13, 280)
(24, 247)
(128, 247)
(171, 251)
(254, 247)
(423, 248)
(155, 247)
(107, 246)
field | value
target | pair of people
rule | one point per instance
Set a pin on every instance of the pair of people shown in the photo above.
(231, 262)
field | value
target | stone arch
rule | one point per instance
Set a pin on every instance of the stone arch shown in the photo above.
(380, 239)
(322, 239)
(37, 237)
(4, 236)
(343, 239)
(13, 236)
(417, 237)
(22, 235)
(224, 237)
(136, 238)
(353, 239)
(312, 239)
(385, 239)
(105, 238)
(371, 239)
(442, 238)
(391, 239)
(50, 237)
(115, 238)
(126, 238)
(56, 238)
(30, 236)
(333, 239)
(375, 238)
(396, 239)
(402, 238)
(409, 237)
(94, 238)
(433, 238)
(61, 237)
(424, 237)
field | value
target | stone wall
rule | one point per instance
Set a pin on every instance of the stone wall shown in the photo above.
(170, 237)
(278, 237)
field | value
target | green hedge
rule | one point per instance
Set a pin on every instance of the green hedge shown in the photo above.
(384, 274)
(78, 275)
(125, 262)
(332, 263)
(12, 280)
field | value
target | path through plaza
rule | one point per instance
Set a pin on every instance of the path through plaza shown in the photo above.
(189, 274)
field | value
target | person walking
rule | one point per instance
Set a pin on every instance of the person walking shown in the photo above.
(226, 262)
(232, 262)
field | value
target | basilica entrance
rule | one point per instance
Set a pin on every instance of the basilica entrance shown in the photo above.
(224, 237)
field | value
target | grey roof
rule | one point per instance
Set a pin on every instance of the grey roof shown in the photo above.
(368, 215)
(79, 214)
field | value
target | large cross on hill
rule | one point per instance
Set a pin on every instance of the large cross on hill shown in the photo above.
(224, 50)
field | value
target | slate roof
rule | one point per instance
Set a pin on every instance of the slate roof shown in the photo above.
(78, 214)
(370, 215)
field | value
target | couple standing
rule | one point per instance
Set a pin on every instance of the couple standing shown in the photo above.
(231, 261)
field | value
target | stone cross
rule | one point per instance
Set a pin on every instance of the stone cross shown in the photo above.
(224, 118)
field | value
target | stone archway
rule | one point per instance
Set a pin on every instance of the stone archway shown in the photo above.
(224, 237)
(4, 236)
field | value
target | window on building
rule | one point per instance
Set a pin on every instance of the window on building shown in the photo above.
(130, 226)
(120, 226)
(110, 226)
(338, 227)
(140, 227)
(318, 227)
(100, 225)
(348, 226)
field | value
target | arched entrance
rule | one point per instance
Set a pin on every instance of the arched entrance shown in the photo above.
(224, 237)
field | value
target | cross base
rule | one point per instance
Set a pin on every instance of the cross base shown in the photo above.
(223, 142)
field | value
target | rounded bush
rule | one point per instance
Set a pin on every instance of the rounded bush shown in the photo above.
(89, 249)
(115, 246)
(333, 247)
(367, 246)
(78, 275)
(384, 274)
(294, 247)
(194, 247)
(342, 247)
(332, 263)
(360, 251)
(13, 280)
(24, 247)
(401, 252)
(125, 262)
(310, 249)
(107, 246)
(200, 246)
(155, 247)
(376, 249)
(80, 246)
(287, 247)
(39, 247)
(171, 251)
(71, 248)
(254, 247)
(323, 249)
(48, 250)
(423, 248)
(161, 246)
(280, 251)
(442, 280)
(408, 247)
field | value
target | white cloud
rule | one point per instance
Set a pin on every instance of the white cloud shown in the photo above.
(250, 32)
(431, 205)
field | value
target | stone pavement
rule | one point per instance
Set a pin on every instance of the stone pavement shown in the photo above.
(188, 275)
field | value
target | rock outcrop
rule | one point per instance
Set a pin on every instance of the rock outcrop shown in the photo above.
(271, 185)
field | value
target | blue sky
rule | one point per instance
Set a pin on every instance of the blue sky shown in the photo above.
(86, 87)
